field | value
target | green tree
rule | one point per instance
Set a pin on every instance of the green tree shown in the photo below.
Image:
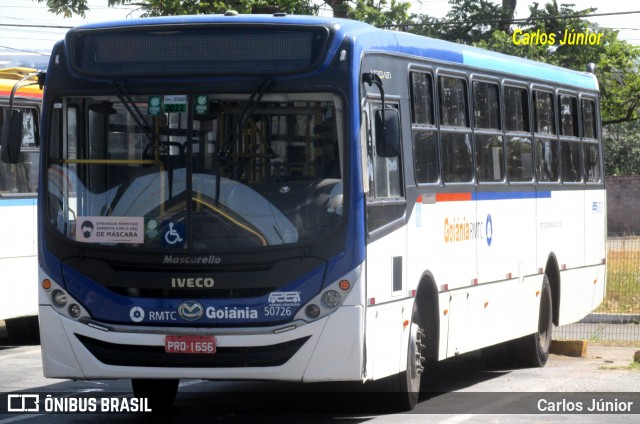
(622, 149)
(377, 12)
(616, 60)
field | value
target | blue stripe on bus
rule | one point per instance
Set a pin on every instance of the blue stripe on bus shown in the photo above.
(17, 202)
(510, 195)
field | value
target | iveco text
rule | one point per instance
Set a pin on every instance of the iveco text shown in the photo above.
(200, 283)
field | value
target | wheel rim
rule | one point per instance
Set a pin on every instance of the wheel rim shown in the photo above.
(416, 347)
(544, 321)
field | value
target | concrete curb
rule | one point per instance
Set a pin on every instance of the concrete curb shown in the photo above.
(611, 319)
(575, 348)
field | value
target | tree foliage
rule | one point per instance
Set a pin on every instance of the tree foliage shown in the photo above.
(376, 12)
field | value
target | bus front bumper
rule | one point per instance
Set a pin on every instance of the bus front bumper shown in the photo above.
(330, 349)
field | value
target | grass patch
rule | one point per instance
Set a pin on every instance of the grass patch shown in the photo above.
(633, 366)
(623, 283)
(615, 343)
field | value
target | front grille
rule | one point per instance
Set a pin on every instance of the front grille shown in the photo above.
(225, 357)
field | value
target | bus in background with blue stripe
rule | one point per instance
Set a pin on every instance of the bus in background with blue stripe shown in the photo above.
(309, 199)
(18, 187)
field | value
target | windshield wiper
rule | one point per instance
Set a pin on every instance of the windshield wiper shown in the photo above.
(138, 116)
(134, 111)
(238, 123)
(249, 107)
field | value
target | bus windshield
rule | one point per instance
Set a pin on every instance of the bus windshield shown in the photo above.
(205, 172)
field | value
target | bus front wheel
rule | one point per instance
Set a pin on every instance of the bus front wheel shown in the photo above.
(160, 393)
(401, 391)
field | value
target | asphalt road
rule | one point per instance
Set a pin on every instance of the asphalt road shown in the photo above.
(459, 390)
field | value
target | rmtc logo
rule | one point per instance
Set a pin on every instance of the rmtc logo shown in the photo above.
(284, 297)
(190, 310)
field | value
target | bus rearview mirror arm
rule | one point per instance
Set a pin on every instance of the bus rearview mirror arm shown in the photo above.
(12, 126)
(387, 126)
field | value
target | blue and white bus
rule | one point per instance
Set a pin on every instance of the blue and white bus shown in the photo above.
(308, 199)
(18, 187)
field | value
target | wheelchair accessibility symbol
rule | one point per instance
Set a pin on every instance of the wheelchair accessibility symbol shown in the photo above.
(174, 235)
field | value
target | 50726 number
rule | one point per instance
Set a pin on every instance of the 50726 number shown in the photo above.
(277, 311)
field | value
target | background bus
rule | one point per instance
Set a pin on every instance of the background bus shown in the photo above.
(309, 199)
(18, 187)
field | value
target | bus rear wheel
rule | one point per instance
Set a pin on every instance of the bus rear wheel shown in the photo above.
(160, 393)
(533, 350)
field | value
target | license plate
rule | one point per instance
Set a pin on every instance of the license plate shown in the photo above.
(190, 344)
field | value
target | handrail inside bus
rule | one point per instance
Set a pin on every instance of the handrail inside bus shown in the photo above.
(230, 218)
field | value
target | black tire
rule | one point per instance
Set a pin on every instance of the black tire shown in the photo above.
(160, 393)
(401, 391)
(533, 350)
(23, 331)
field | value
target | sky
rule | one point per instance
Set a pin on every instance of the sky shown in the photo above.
(29, 12)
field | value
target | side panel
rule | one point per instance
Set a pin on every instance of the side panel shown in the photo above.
(561, 228)
(572, 228)
(18, 260)
(388, 305)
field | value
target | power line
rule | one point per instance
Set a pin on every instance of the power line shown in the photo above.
(23, 51)
(36, 26)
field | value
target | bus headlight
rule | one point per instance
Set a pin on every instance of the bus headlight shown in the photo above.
(327, 301)
(313, 311)
(59, 298)
(63, 301)
(331, 298)
(75, 311)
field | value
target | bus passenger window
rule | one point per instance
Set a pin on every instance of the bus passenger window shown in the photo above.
(519, 159)
(421, 99)
(519, 149)
(453, 102)
(489, 157)
(516, 109)
(489, 147)
(592, 162)
(570, 152)
(569, 149)
(486, 105)
(547, 151)
(424, 135)
(455, 141)
(544, 113)
(590, 145)
(456, 152)
(547, 159)
(569, 116)
(589, 119)
(425, 156)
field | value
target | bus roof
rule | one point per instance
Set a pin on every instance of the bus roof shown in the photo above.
(369, 38)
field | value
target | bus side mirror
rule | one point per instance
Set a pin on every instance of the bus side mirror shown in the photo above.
(387, 133)
(11, 136)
